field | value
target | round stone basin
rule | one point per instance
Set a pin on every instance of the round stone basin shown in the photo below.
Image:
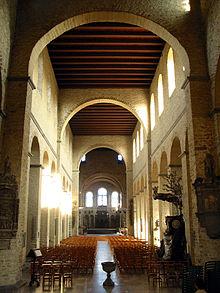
(108, 266)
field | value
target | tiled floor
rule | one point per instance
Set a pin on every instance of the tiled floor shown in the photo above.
(93, 283)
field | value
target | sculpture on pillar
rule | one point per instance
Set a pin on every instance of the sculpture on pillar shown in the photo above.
(174, 191)
(9, 204)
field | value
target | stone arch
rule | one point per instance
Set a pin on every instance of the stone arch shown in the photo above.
(163, 163)
(64, 183)
(106, 16)
(35, 151)
(142, 118)
(154, 175)
(53, 168)
(175, 153)
(96, 146)
(45, 160)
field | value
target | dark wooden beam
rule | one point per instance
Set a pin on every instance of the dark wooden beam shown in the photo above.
(72, 43)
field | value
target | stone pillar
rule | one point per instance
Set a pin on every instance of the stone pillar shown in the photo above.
(57, 226)
(52, 225)
(75, 202)
(135, 215)
(34, 207)
(15, 145)
(142, 210)
(146, 213)
(187, 203)
(149, 176)
(44, 229)
(128, 198)
(200, 138)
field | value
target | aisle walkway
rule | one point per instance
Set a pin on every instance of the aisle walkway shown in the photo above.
(93, 283)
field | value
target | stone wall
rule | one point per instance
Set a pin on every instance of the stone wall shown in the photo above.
(7, 24)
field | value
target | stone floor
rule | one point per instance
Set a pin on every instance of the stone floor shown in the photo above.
(93, 283)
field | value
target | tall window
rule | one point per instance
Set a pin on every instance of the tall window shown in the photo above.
(152, 112)
(160, 95)
(137, 144)
(89, 199)
(102, 197)
(134, 150)
(171, 72)
(141, 137)
(114, 199)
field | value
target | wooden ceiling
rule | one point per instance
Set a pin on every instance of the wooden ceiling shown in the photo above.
(105, 55)
(103, 119)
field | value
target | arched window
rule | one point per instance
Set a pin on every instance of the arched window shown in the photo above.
(141, 137)
(89, 199)
(160, 95)
(152, 112)
(102, 197)
(137, 144)
(114, 199)
(171, 72)
(134, 150)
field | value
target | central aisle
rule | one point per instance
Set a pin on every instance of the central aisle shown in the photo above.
(124, 283)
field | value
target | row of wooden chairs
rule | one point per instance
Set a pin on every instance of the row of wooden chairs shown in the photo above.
(136, 256)
(58, 265)
(165, 273)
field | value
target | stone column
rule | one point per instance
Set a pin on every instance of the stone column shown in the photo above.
(128, 198)
(135, 215)
(187, 203)
(149, 176)
(75, 201)
(34, 207)
(44, 228)
(142, 210)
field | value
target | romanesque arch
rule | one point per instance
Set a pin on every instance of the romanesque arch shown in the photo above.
(69, 107)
